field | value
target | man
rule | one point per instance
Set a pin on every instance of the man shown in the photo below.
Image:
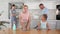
(43, 9)
(13, 16)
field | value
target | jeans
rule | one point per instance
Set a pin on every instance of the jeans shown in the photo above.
(13, 21)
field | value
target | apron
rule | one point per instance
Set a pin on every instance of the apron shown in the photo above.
(25, 18)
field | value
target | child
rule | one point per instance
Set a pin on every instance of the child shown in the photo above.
(43, 24)
(13, 16)
(25, 18)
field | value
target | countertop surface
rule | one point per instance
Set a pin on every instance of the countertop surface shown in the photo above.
(33, 31)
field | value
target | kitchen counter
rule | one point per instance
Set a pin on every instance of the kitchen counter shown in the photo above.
(33, 31)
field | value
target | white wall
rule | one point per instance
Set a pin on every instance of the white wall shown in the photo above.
(35, 5)
(4, 7)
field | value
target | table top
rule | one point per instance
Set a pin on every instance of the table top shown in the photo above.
(33, 31)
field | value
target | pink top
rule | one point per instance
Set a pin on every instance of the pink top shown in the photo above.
(25, 16)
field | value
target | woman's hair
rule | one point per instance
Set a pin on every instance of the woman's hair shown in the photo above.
(25, 6)
(45, 16)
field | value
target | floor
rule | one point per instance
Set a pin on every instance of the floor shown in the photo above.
(33, 31)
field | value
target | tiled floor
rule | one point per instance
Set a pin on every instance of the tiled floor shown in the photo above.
(33, 31)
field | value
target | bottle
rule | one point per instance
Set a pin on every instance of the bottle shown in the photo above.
(14, 27)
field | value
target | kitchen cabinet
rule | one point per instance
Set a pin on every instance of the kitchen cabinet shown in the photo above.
(58, 24)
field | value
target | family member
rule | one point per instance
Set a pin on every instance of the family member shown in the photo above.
(25, 18)
(13, 16)
(43, 9)
(43, 24)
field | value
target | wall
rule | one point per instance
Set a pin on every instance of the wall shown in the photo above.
(35, 5)
(4, 7)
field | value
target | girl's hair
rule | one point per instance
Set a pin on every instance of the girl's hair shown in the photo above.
(45, 16)
(13, 5)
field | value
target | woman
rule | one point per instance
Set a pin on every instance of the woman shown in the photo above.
(25, 18)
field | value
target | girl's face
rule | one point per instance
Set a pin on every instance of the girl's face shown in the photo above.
(43, 18)
(13, 8)
(25, 9)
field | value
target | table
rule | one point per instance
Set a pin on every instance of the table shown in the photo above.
(33, 31)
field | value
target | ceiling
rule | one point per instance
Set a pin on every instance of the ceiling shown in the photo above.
(39, 0)
(27, 0)
(33, 0)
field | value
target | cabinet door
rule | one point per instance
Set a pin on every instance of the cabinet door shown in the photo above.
(52, 24)
(58, 24)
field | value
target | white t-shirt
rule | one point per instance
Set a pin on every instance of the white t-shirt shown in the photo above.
(43, 25)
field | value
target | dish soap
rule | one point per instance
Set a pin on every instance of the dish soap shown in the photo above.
(14, 27)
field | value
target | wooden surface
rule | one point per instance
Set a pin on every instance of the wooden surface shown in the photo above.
(33, 31)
